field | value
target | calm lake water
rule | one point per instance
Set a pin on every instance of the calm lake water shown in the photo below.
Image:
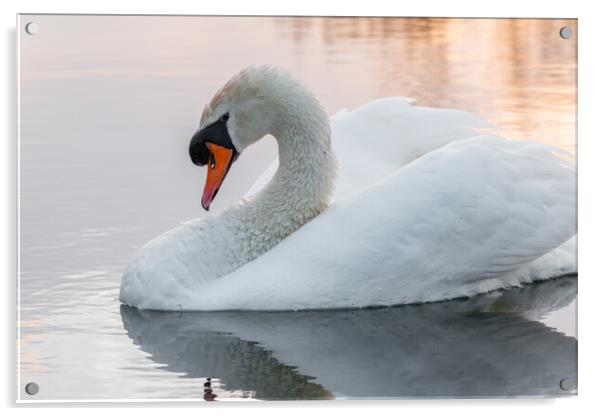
(107, 107)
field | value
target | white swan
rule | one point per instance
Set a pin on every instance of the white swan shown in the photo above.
(425, 208)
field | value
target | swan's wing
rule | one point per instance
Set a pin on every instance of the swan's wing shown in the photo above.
(467, 218)
(373, 141)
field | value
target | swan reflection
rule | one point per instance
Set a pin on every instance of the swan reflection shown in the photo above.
(488, 345)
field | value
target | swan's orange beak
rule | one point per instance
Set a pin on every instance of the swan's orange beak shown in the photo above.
(220, 160)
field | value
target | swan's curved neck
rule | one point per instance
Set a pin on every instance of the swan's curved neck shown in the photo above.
(306, 172)
(300, 188)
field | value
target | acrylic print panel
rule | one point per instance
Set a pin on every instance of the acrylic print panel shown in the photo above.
(408, 276)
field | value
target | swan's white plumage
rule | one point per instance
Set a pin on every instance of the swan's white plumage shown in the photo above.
(417, 236)
(378, 138)
(425, 208)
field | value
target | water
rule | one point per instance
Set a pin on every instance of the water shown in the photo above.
(108, 105)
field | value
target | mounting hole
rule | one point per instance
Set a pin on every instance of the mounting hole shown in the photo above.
(567, 384)
(32, 389)
(566, 32)
(32, 28)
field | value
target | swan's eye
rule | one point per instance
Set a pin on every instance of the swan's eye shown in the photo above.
(224, 118)
(211, 161)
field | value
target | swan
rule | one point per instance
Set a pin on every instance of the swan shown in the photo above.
(427, 205)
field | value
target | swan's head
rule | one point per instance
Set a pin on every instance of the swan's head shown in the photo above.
(255, 102)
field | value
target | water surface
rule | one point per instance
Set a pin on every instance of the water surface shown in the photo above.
(107, 107)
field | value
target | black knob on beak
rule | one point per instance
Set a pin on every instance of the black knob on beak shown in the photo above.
(199, 154)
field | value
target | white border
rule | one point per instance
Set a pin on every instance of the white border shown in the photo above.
(18, 213)
(589, 154)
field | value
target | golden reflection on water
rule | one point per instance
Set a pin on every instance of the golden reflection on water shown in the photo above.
(517, 73)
